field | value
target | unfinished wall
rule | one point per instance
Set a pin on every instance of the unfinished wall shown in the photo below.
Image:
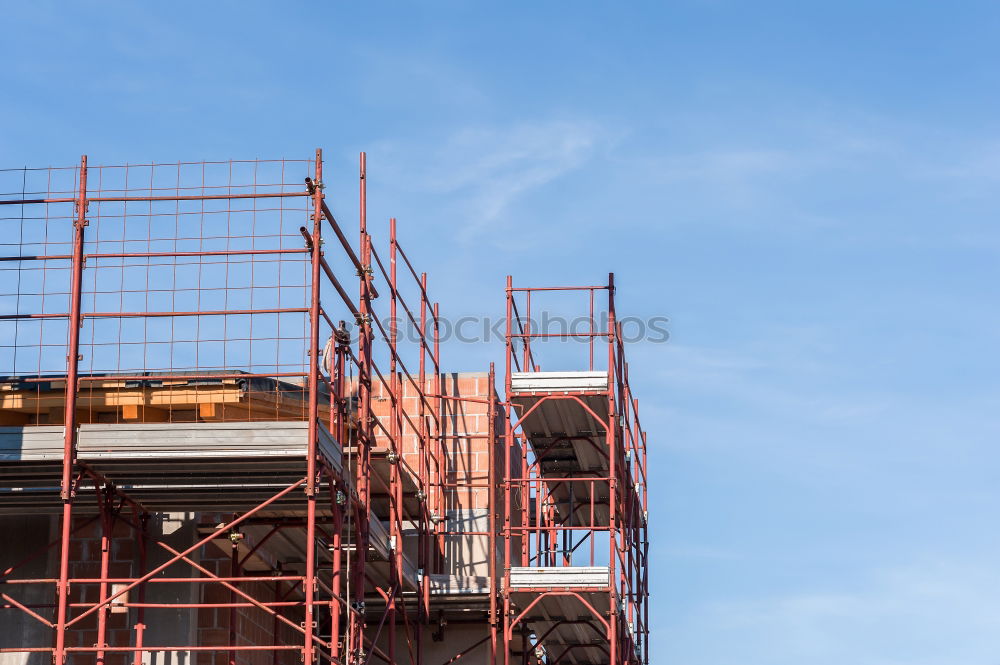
(163, 626)
(248, 626)
(466, 428)
(22, 536)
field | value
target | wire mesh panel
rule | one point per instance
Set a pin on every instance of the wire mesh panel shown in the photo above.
(35, 259)
(195, 290)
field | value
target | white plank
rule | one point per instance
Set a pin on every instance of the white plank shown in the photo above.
(583, 576)
(559, 381)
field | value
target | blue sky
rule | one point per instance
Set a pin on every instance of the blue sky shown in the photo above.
(808, 190)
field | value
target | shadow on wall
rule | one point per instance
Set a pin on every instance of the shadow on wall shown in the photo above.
(19, 629)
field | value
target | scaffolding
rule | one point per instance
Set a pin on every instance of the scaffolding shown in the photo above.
(201, 341)
(575, 532)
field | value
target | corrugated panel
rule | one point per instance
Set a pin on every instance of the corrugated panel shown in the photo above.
(21, 443)
(165, 466)
(552, 609)
(552, 417)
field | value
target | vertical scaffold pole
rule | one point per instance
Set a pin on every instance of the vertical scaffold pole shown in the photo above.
(508, 435)
(612, 471)
(316, 256)
(70, 419)
(491, 445)
(107, 532)
(362, 478)
(425, 472)
(423, 447)
(441, 450)
(395, 435)
(140, 623)
(337, 505)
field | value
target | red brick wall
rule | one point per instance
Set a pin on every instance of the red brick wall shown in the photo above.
(468, 456)
(468, 461)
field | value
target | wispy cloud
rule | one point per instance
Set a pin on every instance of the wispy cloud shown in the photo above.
(484, 170)
(730, 165)
(893, 180)
(777, 377)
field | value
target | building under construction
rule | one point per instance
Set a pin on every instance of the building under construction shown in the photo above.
(228, 435)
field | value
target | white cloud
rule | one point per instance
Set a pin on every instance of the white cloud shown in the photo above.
(775, 376)
(729, 165)
(484, 170)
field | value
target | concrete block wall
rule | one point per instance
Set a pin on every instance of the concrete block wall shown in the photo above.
(252, 625)
(85, 558)
(202, 626)
(24, 535)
